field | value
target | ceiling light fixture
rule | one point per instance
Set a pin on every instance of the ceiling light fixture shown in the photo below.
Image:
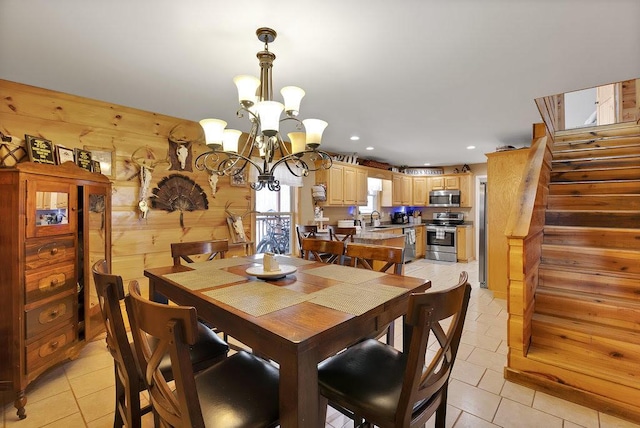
(264, 148)
(471, 147)
(354, 138)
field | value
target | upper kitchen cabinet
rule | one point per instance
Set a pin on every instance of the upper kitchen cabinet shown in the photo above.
(445, 182)
(420, 191)
(346, 184)
(402, 190)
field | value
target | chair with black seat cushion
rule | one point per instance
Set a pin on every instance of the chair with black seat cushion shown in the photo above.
(344, 234)
(208, 350)
(305, 231)
(323, 251)
(364, 255)
(374, 382)
(241, 391)
(184, 251)
(211, 249)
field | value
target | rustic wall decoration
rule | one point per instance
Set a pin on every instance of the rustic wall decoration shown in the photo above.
(177, 192)
(12, 150)
(40, 150)
(106, 157)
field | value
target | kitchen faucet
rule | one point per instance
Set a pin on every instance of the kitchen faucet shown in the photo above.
(372, 223)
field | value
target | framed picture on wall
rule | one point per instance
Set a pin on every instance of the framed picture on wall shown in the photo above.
(65, 154)
(40, 150)
(106, 158)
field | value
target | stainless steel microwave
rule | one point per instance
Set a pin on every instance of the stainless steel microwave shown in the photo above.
(444, 198)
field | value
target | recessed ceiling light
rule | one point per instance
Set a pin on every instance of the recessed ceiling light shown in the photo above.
(354, 138)
(427, 164)
(369, 148)
(471, 147)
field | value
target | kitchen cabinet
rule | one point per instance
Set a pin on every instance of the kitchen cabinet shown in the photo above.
(420, 197)
(445, 182)
(346, 184)
(421, 243)
(466, 190)
(464, 236)
(402, 190)
(386, 196)
(56, 224)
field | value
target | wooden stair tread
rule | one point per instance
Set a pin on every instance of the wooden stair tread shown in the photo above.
(606, 260)
(620, 172)
(594, 282)
(598, 237)
(590, 218)
(587, 329)
(605, 300)
(595, 164)
(611, 311)
(584, 364)
(607, 202)
(595, 187)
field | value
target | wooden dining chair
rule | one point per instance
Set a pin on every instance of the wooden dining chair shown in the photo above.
(184, 251)
(365, 256)
(323, 251)
(375, 382)
(209, 349)
(241, 391)
(344, 234)
(210, 249)
(305, 231)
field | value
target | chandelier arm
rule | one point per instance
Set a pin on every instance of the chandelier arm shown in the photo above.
(225, 166)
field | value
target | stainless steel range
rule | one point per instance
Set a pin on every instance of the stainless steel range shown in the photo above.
(441, 236)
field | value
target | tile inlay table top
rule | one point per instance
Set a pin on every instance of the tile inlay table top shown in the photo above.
(297, 321)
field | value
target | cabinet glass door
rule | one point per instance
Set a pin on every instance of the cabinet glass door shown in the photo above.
(96, 239)
(51, 208)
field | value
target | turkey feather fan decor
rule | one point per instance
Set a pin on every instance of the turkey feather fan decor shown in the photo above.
(176, 192)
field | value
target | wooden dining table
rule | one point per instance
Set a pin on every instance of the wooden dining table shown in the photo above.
(297, 320)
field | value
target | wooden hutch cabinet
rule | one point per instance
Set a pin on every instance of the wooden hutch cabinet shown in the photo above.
(56, 222)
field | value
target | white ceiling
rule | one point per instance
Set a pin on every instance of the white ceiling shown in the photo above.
(419, 80)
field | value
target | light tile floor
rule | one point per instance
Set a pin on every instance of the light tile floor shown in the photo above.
(80, 393)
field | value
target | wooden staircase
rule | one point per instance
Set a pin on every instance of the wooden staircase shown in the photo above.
(585, 327)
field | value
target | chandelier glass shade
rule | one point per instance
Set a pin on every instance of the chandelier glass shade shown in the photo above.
(263, 147)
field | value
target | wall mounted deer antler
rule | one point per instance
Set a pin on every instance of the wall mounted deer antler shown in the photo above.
(236, 228)
(181, 138)
(147, 163)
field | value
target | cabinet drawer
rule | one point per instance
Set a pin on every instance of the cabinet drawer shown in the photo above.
(50, 316)
(41, 252)
(49, 347)
(45, 282)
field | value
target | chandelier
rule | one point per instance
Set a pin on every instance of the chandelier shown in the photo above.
(264, 149)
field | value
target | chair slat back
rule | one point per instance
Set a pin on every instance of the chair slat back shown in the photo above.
(110, 292)
(344, 234)
(426, 314)
(158, 329)
(305, 231)
(323, 251)
(363, 255)
(183, 250)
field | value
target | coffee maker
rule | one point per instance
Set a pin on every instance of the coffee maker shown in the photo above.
(400, 218)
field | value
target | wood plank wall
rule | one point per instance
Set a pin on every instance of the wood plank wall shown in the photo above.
(74, 121)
